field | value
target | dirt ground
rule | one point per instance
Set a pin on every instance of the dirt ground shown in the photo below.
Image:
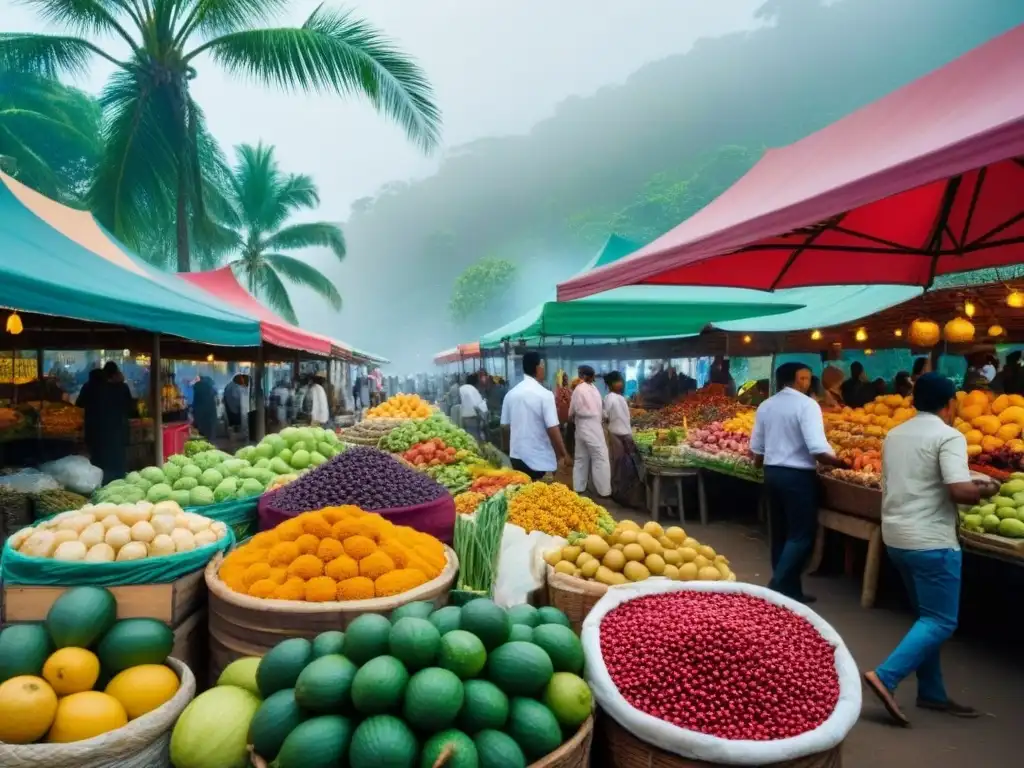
(980, 667)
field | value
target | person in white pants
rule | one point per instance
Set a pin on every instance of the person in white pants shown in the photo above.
(591, 460)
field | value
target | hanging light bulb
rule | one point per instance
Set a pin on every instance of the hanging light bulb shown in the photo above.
(996, 330)
(898, 333)
(209, 358)
(969, 308)
(815, 335)
(869, 351)
(14, 325)
(747, 339)
(1015, 299)
(861, 335)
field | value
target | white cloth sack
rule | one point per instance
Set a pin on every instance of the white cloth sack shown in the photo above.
(700, 746)
(521, 569)
(31, 481)
(75, 473)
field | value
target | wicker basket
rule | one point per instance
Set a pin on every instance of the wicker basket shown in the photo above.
(621, 749)
(575, 753)
(247, 626)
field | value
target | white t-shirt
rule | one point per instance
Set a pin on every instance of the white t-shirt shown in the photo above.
(472, 404)
(919, 459)
(529, 411)
(616, 410)
(319, 410)
(789, 431)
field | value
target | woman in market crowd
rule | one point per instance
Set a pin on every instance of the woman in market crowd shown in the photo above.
(627, 468)
(902, 384)
(590, 458)
(831, 387)
(528, 412)
(922, 365)
(109, 406)
(563, 395)
(319, 408)
(924, 477)
(856, 390)
(720, 374)
(976, 377)
(472, 407)
(204, 407)
(789, 441)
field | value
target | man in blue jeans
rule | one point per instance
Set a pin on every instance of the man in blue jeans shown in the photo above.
(924, 477)
(789, 441)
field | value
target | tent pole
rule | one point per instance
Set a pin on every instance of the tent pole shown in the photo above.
(261, 397)
(156, 401)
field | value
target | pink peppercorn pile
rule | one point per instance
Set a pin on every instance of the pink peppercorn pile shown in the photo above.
(724, 664)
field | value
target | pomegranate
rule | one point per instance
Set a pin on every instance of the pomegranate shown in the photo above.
(724, 664)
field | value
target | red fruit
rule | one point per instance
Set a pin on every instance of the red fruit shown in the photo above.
(724, 664)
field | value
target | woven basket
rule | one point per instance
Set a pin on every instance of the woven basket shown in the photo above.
(143, 743)
(621, 749)
(575, 753)
(247, 626)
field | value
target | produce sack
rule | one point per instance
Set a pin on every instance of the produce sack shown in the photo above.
(240, 515)
(694, 745)
(16, 568)
(520, 565)
(436, 517)
(75, 473)
(142, 743)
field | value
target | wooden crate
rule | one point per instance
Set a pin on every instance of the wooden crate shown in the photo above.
(191, 646)
(172, 603)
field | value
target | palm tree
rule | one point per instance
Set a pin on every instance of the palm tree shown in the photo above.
(157, 152)
(49, 135)
(262, 199)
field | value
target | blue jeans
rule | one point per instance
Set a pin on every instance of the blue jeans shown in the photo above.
(793, 497)
(932, 579)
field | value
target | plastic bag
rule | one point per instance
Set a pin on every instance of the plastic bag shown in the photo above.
(75, 473)
(30, 481)
(521, 568)
(699, 746)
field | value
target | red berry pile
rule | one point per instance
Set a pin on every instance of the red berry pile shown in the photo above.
(724, 664)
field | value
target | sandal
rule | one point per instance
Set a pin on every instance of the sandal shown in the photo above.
(885, 696)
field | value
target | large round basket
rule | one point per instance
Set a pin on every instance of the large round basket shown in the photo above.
(575, 753)
(621, 749)
(142, 743)
(247, 626)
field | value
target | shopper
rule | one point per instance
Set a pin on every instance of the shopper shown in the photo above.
(204, 407)
(535, 442)
(590, 458)
(975, 377)
(472, 407)
(789, 441)
(627, 467)
(903, 385)
(108, 406)
(319, 408)
(831, 387)
(233, 402)
(720, 374)
(563, 396)
(922, 365)
(856, 390)
(924, 477)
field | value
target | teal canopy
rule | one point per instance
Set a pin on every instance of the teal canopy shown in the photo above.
(59, 261)
(635, 312)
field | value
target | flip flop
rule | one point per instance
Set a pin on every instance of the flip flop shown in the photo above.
(878, 688)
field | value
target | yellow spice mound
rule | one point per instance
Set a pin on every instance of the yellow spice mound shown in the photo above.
(401, 407)
(553, 508)
(338, 553)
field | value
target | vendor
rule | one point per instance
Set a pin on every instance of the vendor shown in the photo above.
(789, 441)
(976, 377)
(563, 394)
(108, 406)
(924, 476)
(319, 408)
(590, 460)
(472, 407)
(627, 469)
(903, 385)
(204, 407)
(720, 375)
(856, 390)
(528, 412)
(922, 365)
(1010, 380)
(831, 387)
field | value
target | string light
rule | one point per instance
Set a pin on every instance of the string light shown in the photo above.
(869, 351)
(1015, 299)
(861, 335)
(209, 358)
(815, 335)
(747, 339)
(14, 325)
(996, 330)
(898, 333)
(969, 308)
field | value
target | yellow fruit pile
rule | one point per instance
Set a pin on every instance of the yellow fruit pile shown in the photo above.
(742, 422)
(632, 553)
(990, 422)
(401, 407)
(466, 503)
(555, 509)
(61, 706)
(338, 553)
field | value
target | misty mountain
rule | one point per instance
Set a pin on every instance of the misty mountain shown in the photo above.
(523, 198)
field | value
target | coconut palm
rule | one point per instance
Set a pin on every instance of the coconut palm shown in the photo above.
(262, 199)
(49, 135)
(157, 151)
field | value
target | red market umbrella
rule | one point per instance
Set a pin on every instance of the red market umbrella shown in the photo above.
(926, 181)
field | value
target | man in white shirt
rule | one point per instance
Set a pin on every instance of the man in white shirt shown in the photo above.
(535, 441)
(789, 441)
(319, 412)
(616, 409)
(924, 477)
(472, 408)
(591, 459)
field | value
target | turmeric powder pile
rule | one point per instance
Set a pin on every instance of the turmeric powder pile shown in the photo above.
(337, 553)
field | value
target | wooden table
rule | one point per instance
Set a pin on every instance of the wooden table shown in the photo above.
(858, 528)
(652, 480)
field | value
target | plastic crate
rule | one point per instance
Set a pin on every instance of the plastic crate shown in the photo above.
(175, 437)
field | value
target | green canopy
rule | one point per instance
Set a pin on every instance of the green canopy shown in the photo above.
(59, 261)
(634, 312)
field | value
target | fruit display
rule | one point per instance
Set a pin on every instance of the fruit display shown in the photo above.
(107, 533)
(434, 452)
(477, 543)
(213, 730)
(81, 673)
(438, 426)
(467, 502)
(60, 419)
(869, 477)
(724, 664)
(370, 431)
(293, 449)
(199, 445)
(46, 503)
(633, 553)
(742, 423)
(696, 409)
(337, 553)
(489, 481)
(426, 687)
(557, 510)
(716, 437)
(455, 478)
(992, 425)
(401, 407)
(361, 476)
(1001, 515)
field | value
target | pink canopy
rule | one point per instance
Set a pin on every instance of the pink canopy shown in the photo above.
(926, 181)
(223, 284)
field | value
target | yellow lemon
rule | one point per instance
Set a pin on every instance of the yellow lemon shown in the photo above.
(85, 715)
(71, 670)
(27, 707)
(143, 688)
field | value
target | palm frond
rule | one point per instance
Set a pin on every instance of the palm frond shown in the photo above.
(254, 181)
(268, 286)
(334, 52)
(85, 17)
(218, 17)
(311, 235)
(47, 55)
(301, 273)
(36, 121)
(26, 165)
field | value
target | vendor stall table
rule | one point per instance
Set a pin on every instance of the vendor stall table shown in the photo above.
(858, 528)
(652, 479)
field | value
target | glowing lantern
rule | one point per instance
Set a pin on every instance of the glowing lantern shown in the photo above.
(861, 335)
(815, 335)
(969, 308)
(959, 330)
(746, 339)
(1015, 299)
(14, 326)
(996, 330)
(924, 333)
(898, 333)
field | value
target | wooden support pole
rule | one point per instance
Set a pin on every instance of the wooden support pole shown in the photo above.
(261, 396)
(156, 402)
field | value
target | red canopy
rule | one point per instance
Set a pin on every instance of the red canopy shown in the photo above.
(926, 181)
(223, 284)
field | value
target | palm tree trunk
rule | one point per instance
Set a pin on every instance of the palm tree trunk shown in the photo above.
(181, 221)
